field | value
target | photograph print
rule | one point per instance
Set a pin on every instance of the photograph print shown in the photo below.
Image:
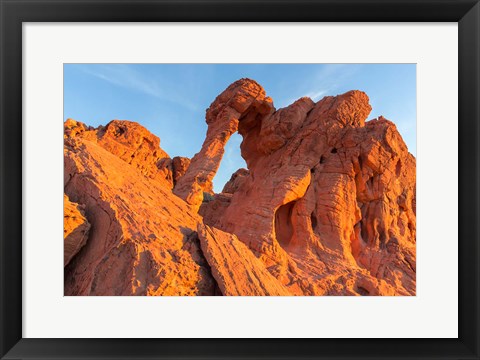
(239, 179)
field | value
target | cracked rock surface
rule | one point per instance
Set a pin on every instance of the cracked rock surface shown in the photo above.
(75, 229)
(327, 205)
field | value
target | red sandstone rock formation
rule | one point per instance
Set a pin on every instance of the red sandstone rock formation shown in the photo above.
(143, 238)
(234, 267)
(130, 142)
(328, 198)
(179, 167)
(326, 207)
(75, 229)
(233, 105)
(235, 181)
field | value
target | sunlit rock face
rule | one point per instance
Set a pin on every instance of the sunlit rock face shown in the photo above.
(75, 229)
(241, 100)
(328, 198)
(326, 206)
(143, 238)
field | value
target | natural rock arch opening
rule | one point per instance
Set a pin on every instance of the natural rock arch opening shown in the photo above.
(232, 161)
(244, 101)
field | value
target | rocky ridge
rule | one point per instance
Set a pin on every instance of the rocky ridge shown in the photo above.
(326, 207)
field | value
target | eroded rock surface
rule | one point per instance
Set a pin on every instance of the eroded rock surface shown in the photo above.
(143, 238)
(130, 142)
(237, 271)
(235, 181)
(328, 202)
(180, 165)
(75, 229)
(237, 103)
(326, 206)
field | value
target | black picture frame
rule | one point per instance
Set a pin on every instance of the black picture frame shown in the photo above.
(15, 12)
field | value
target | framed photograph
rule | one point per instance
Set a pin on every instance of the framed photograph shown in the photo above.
(239, 179)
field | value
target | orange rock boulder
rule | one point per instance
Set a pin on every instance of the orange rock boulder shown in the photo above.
(128, 141)
(179, 167)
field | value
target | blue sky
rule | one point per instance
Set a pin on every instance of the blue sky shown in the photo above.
(170, 99)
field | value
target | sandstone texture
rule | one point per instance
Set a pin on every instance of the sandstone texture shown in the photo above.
(237, 271)
(130, 142)
(235, 181)
(179, 167)
(75, 229)
(233, 105)
(327, 205)
(142, 239)
(329, 198)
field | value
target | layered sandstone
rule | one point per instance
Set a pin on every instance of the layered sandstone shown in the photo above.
(143, 238)
(75, 229)
(236, 180)
(180, 165)
(235, 104)
(328, 198)
(130, 142)
(235, 268)
(326, 206)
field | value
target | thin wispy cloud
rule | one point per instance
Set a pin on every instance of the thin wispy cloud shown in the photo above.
(170, 100)
(315, 96)
(125, 76)
(325, 81)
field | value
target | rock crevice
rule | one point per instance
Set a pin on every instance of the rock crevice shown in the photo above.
(327, 205)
